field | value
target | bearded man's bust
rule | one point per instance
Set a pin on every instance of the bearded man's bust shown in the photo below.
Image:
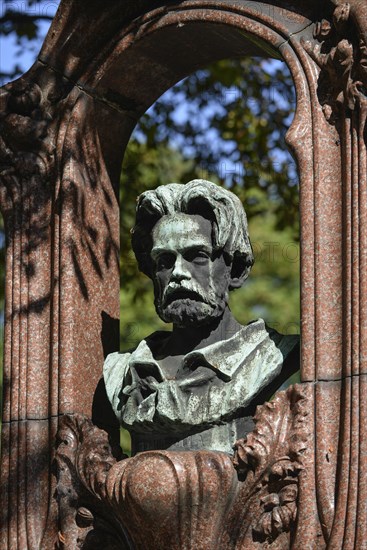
(196, 387)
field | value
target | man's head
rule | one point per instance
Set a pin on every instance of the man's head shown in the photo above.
(192, 240)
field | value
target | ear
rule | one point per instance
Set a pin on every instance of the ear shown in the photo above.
(240, 270)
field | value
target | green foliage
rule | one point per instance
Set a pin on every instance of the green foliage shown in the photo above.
(272, 289)
(234, 123)
(232, 132)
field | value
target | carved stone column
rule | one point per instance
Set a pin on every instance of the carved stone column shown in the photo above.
(342, 91)
(62, 288)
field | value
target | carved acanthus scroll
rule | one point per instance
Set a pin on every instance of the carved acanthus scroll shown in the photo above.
(255, 496)
(84, 458)
(29, 126)
(271, 460)
(341, 55)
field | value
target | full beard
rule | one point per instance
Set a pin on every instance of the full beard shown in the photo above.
(187, 312)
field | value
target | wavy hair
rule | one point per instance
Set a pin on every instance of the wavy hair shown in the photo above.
(198, 197)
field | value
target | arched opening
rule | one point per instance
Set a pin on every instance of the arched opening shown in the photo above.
(251, 102)
(149, 69)
(225, 123)
(165, 47)
(139, 64)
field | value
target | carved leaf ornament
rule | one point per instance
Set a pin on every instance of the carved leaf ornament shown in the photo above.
(98, 494)
(271, 457)
(342, 57)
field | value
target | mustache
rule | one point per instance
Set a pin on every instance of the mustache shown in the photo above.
(181, 292)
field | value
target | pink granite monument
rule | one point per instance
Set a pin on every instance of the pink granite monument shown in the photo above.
(64, 127)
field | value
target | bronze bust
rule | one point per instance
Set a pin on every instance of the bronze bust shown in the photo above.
(197, 386)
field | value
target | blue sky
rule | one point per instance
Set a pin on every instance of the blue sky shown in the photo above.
(22, 52)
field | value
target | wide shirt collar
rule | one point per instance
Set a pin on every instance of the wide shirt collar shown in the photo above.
(224, 357)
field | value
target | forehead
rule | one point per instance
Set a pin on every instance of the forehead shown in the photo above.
(182, 231)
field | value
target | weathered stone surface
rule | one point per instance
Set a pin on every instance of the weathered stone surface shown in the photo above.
(53, 332)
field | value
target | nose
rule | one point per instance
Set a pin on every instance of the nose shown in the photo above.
(180, 269)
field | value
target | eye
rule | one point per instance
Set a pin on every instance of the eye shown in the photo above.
(198, 257)
(165, 261)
